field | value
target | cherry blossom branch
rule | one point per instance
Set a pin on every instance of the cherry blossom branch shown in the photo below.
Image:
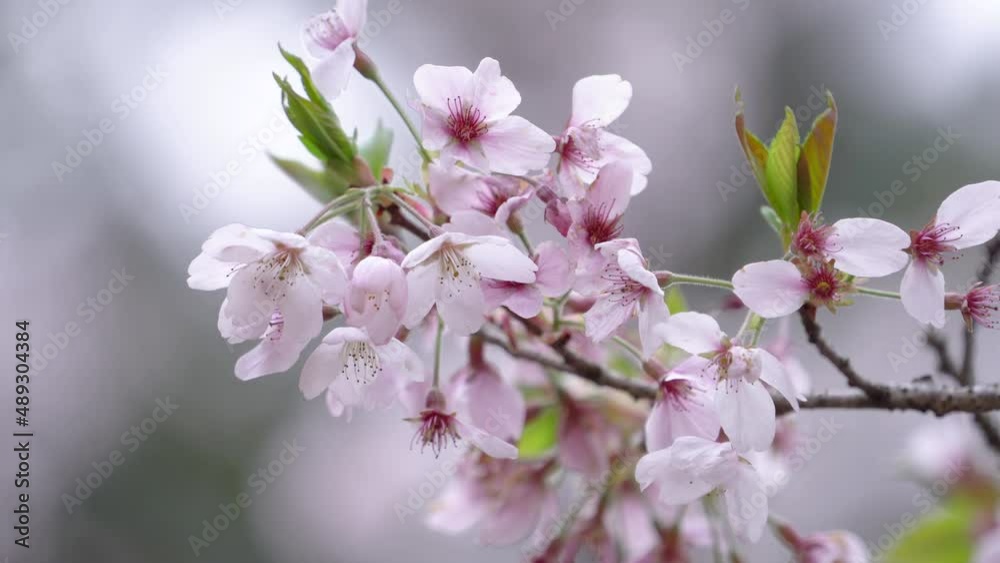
(940, 400)
(878, 293)
(667, 279)
(854, 379)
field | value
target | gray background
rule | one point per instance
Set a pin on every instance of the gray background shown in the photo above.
(120, 209)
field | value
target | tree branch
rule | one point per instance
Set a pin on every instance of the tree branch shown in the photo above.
(876, 391)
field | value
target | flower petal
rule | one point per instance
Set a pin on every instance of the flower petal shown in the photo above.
(435, 85)
(495, 95)
(421, 283)
(867, 247)
(922, 292)
(334, 71)
(513, 145)
(773, 373)
(615, 148)
(460, 302)
(605, 316)
(695, 333)
(498, 259)
(555, 270)
(746, 412)
(975, 210)
(653, 311)
(598, 100)
(771, 289)
(488, 443)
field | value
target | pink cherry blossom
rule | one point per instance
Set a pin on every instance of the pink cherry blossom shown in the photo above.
(341, 238)
(988, 546)
(863, 247)
(457, 189)
(586, 145)
(743, 403)
(447, 270)
(484, 398)
(826, 547)
(331, 37)
(683, 407)
(628, 289)
(355, 371)
(466, 116)
(277, 284)
(968, 217)
(776, 288)
(508, 500)
(553, 278)
(443, 419)
(585, 438)
(693, 467)
(376, 298)
(980, 305)
(597, 218)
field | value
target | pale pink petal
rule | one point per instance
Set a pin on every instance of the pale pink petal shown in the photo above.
(611, 190)
(333, 72)
(525, 301)
(922, 292)
(453, 188)
(488, 443)
(975, 210)
(695, 417)
(325, 270)
(605, 316)
(473, 223)
(248, 305)
(628, 519)
(868, 247)
(615, 148)
(426, 250)
(773, 373)
(421, 283)
(435, 85)
(514, 146)
(488, 402)
(746, 503)
(580, 448)
(460, 506)
(695, 333)
(460, 302)
(237, 243)
(377, 298)
(321, 368)
(500, 260)
(515, 518)
(988, 549)
(340, 237)
(598, 100)
(771, 289)
(746, 412)
(354, 13)
(270, 356)
(555, 270)
(495, 95)
(653, 311)
(207, 273)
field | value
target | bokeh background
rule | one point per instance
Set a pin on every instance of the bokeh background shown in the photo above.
(202, 71)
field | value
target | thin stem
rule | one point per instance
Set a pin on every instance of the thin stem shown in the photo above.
(713, 529)
(402, 203)
(629, 347)
(372, 222)
(678, 279)
(438, 340)
(377, 79)
(338, 204)
(879, 293)
(524, 240)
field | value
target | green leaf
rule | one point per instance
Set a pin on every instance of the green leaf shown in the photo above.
(675, 300)
(376, 150)
(307, 82)
(753, 148)
(781, 172)
(815, 158)
(943, 536)
(540, 434)
(321, 185)
(772, 219)
(319, 127)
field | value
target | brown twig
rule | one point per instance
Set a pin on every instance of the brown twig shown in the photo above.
(876, 391)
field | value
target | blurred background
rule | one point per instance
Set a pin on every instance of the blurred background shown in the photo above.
(176, 95)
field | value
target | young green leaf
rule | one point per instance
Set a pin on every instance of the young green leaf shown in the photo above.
(324, 186)
(540, 434)
(781, 171)
(815, 159)
(772, 219)
(753, 148)
(376, 150)
(307, 82)
(675, 300)
(943, 536)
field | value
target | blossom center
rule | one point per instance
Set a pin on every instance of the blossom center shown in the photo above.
(600, 225)
(677, 393)
(493, 197)
(457, 271)
(981, 305)
(582, 148)
(436, 430)
(465, 122)
(623, 290)
(931, 242)
(811, 241)
(824, 283)
(329, 31)
(360, 362)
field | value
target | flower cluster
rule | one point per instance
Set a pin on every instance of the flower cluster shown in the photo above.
(412, 267)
